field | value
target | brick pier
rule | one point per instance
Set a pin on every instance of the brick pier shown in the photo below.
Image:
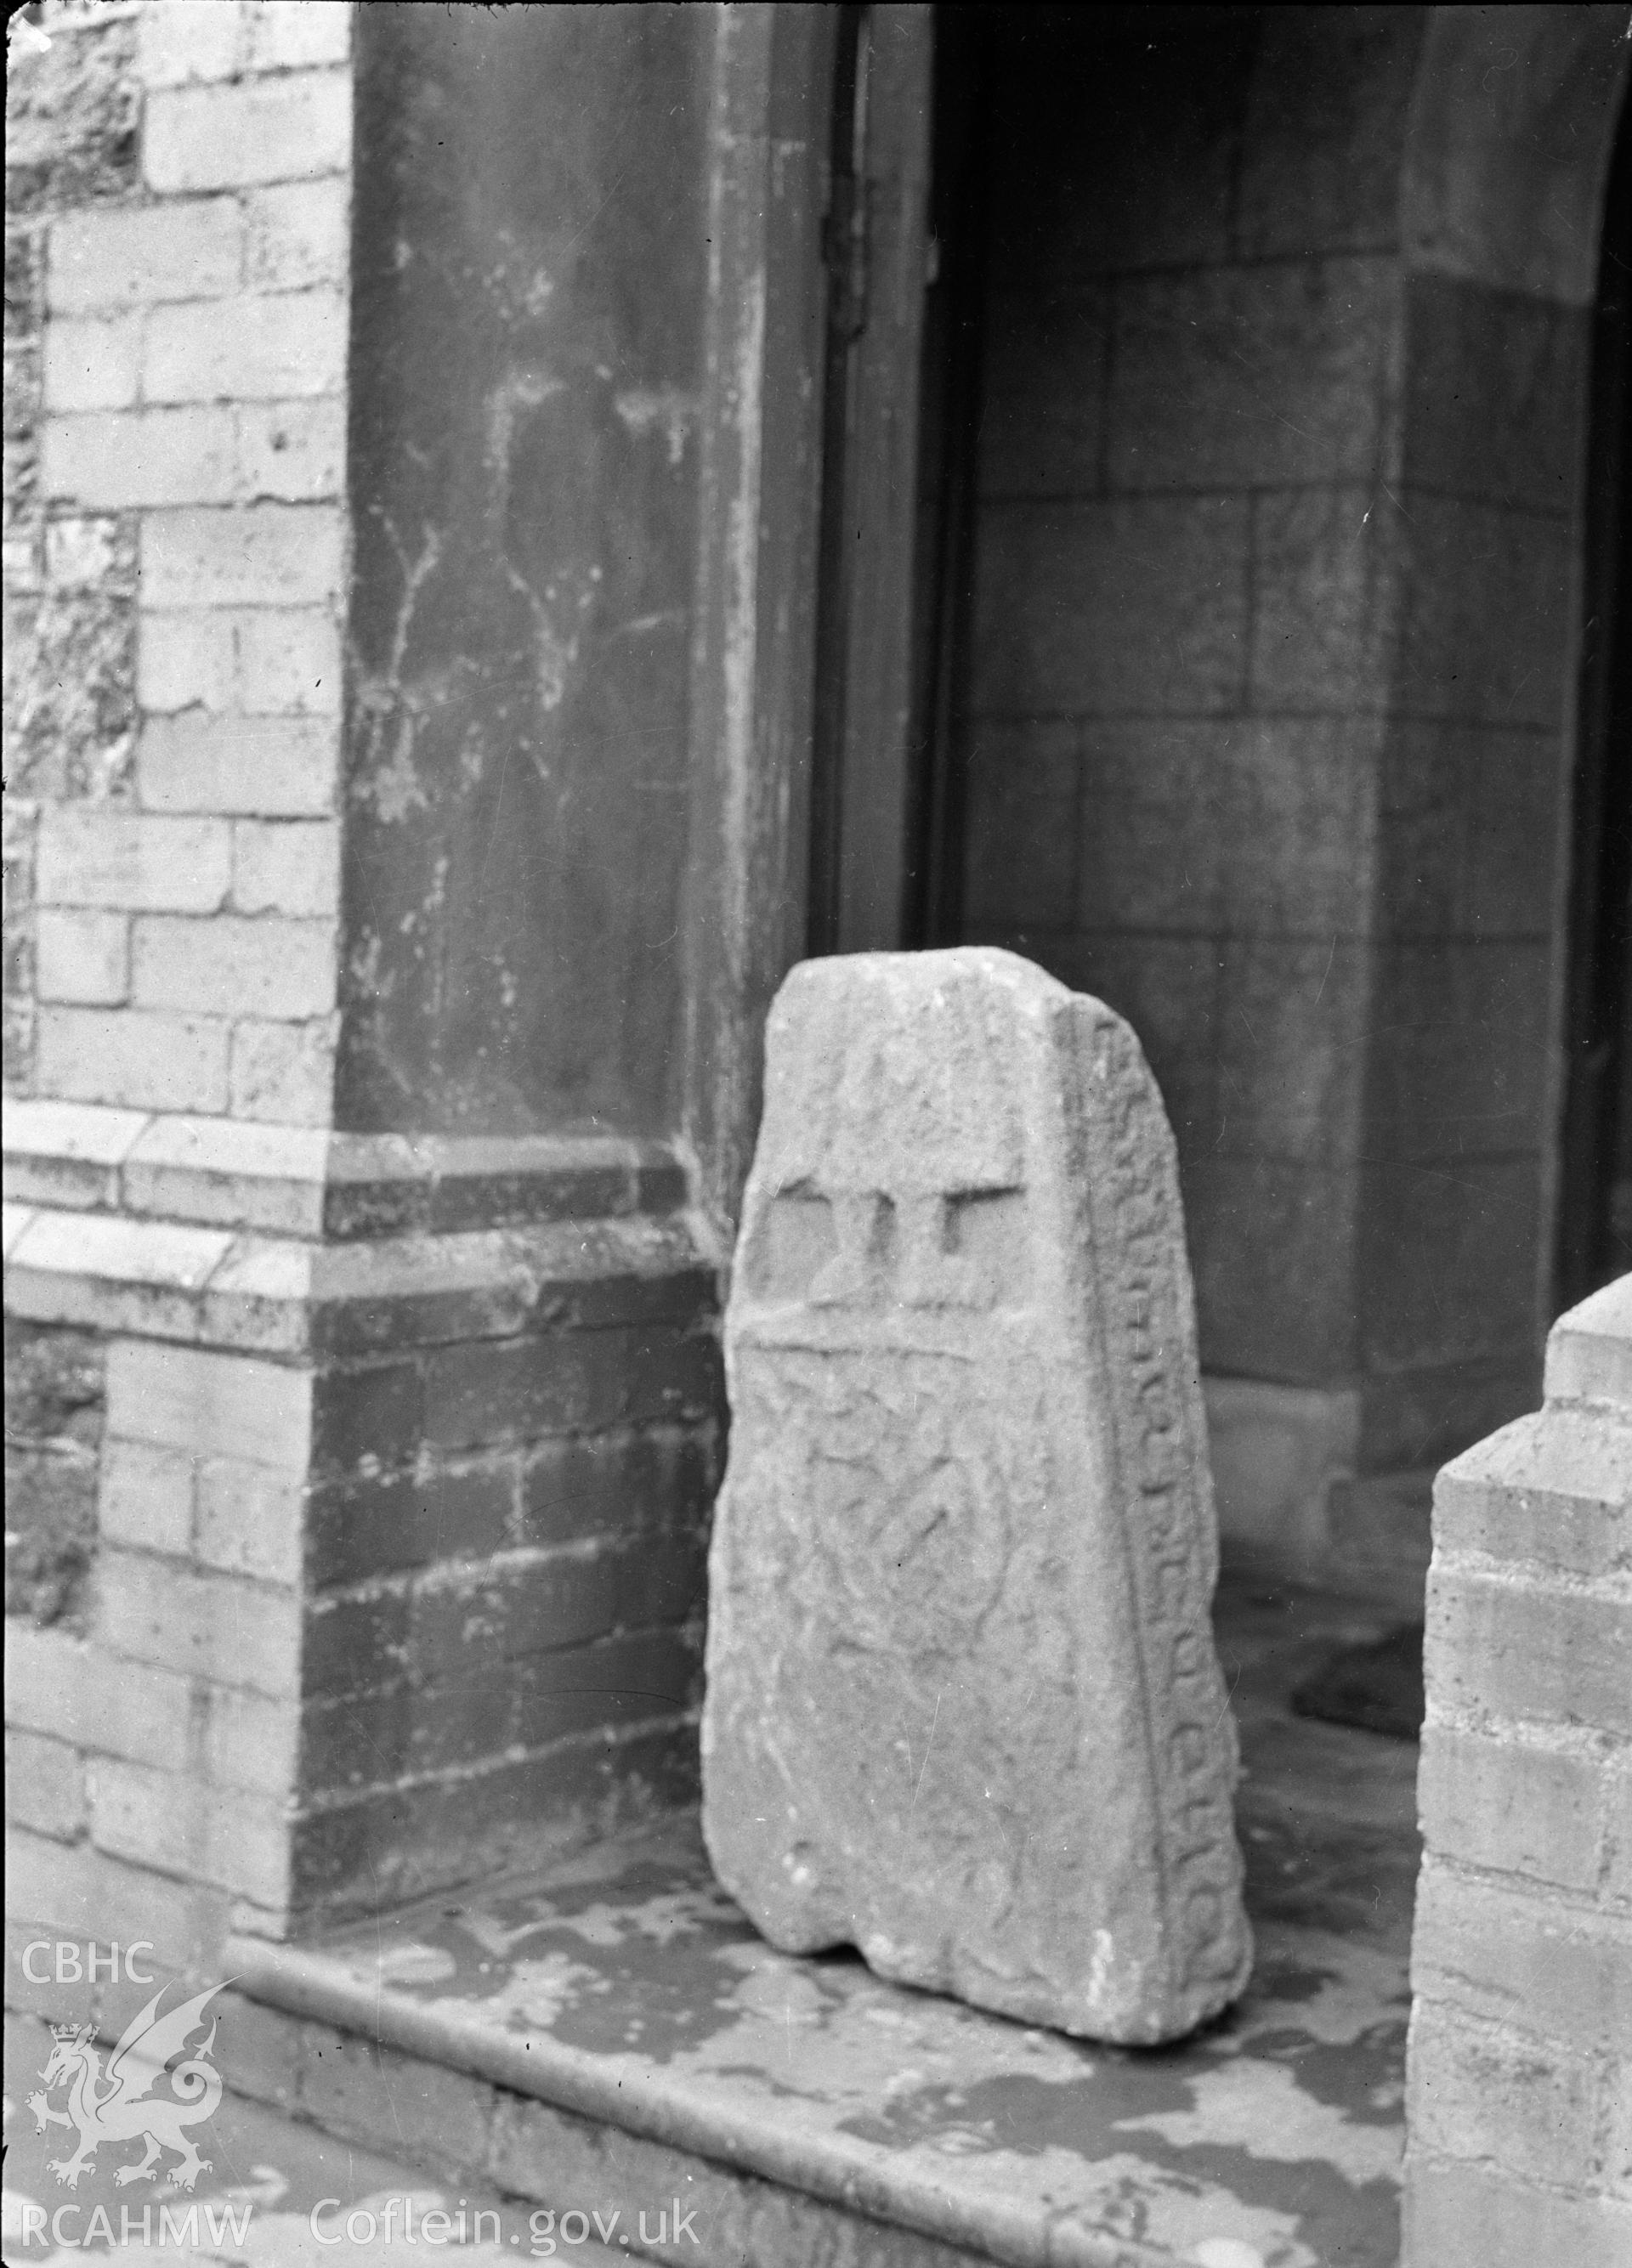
(1521, 2040)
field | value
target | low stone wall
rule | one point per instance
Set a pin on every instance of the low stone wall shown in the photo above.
(1521, 2041)
(401, 1532)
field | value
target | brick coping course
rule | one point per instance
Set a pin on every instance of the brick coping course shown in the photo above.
(311, 1182)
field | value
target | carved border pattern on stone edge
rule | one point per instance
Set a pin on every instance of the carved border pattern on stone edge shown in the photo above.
(1141, 1298)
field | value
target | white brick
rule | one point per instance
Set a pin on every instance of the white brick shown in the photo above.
(256, 347)
(122, 1255)
(82, 957)
(179, 42)
(273, 661)
(187, 660)
(112, 1707)
(145, 1814)
(125, 1709)
(222, 137)
(67, 1153)
(284, 1073)
(90, 364)
(134, 861)
(280, 555)
(250, 1520)
(118, 1707)
(130, 458)
(70, 1130)
(298, 235)
(251, 1740)
(145, 1497)
(46, 1883)
(288, 867)
(244, 1175)
(273, 767)
(292, 450)
(45, 1680)
(109, 259)
(289, 661)
(213, 1405)
(299, 34)
(221, 1148)
(225, 967)
(184, 1826)
(44, 1785)
(118, 1055)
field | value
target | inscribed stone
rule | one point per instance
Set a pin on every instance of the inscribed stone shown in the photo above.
(963, 1709)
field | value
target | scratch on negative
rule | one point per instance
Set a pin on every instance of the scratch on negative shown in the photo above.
(1326, 971)
(928, 1744)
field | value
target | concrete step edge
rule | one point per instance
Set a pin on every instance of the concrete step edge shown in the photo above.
(850, 2174)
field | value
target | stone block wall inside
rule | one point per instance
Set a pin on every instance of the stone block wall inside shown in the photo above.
(1266, 723)
(1192, 315)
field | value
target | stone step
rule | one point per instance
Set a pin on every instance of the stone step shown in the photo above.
(623, 2040)
(271, 2190)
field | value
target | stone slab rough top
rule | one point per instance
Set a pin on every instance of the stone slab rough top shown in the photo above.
(963, 1709)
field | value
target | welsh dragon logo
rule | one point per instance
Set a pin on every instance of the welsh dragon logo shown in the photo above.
(115, 2105)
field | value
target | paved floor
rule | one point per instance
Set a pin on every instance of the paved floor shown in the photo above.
(1272, 2140)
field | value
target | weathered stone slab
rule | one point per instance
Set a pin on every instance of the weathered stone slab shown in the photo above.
(963, 1708)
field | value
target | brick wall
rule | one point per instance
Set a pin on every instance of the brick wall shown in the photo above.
(179, 186)
(1521, 2041)
(362, 1480)
(176, 266)
(401, 1537)
(69, 707)
(381, 1626)
(505, 1615)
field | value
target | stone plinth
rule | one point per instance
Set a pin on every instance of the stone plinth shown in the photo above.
(963, 1709)
(1520, 2064)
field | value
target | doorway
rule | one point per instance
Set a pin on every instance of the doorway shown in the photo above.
(902, 250)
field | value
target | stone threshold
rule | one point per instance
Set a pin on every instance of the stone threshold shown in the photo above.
(721, 2152)
(310, 1182)
(614, 2027)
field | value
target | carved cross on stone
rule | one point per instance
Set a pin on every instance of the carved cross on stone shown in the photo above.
(963, 1709)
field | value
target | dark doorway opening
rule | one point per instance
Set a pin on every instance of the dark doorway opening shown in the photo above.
(1595, 1179)
(949, 409)
(904, 252)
